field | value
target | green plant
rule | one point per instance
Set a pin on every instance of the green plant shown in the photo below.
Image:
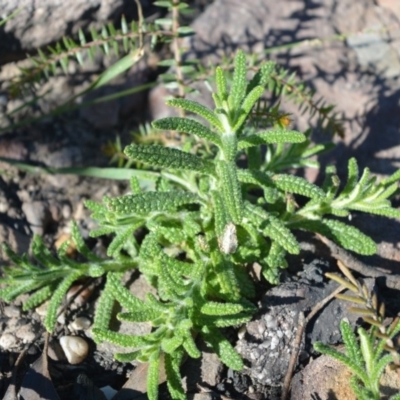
(365, 356)
(206, 221)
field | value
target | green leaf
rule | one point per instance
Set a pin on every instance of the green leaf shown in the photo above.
(221, 216)
(379, 368)
(350, 341)
(226, 276)
(122, 339)
(188, 126)
(238, 89)
(145, 203)
(116, 69)
(165, 157)
(170, 345)
(223, 348)
(352, 179)
(199, 109)
(215, 308)
(106, 303)
(161, 3)
(81, 245)
(271, 137)
(185, 30)
(276, 230)
(330, 351)
(39, 297)
(121, 239)
(56, 299)
(247, 106)
(152, 376)
(231, 190)
(220, 81)
(174, 381)
(298, 185)
(347, 236)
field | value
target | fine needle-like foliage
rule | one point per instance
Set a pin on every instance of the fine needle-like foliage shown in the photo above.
(372, 351)
(205, 221)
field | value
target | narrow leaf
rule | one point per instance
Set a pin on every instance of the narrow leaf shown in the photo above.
(165, 157)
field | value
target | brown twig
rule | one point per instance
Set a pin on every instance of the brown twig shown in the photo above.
(302, 324)
(340, 254)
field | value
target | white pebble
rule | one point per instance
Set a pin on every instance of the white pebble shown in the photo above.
(271, 322)
(12, 311)
(75, 348)
(7, 341)
(80, 324)
(274, 342)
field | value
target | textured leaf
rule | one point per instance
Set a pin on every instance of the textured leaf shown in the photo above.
(347, 236)
(81, 245)
(105, 305)
(231, 190)
(352, 179)
(39, 297)
(121, 239)
(221, 84)
(226, 277)
(145, 203)
(239, 83)
(248, 105)
(298, 185)
(122, 339)
(215, 308)
(56, 299)
(172, 364)
(223, 348)
(271, 137)
(188, 126)
(276, 230)
(330, 351)
(165, 157)
(229, 145)
(262, 77)
(152, 376)
(199, 109)
(350, 341)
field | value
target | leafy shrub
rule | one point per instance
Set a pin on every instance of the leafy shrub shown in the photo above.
(206, 221)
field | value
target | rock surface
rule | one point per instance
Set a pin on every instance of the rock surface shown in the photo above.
(42, 22)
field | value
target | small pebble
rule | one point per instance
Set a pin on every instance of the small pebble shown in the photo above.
(7, 341)
(242, 332)
(37, 215)
(82, 295)
(80, 324)
(42, 309)
(12, 311)
(27, 333)
(75, 348)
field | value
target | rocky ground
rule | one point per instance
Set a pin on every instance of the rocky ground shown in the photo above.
(359, 72)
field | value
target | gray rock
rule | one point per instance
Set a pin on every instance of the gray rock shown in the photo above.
(37, 214)
(41, 22)
(8, 341)
(268, 342)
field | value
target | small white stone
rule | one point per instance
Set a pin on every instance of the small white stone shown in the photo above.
(80, 324)
(60, 317)
(270, 322)
(274, 342)
(7, 341)
(27, 333)
(12, 311)
(75, 348)
(242, 332)
(42, 309)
